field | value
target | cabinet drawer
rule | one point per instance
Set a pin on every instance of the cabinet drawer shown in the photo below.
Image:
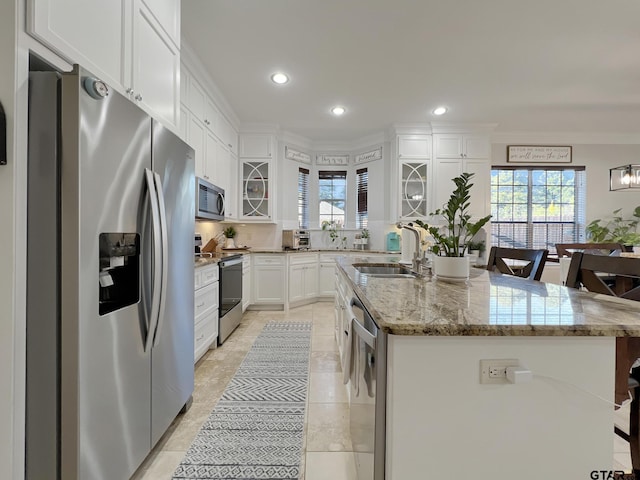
(209, 274)
(205, 334)
(206, 275)
(302, 258)
(269, 260)
(330, 257)
(206, 300)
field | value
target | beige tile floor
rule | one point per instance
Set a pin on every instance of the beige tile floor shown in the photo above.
(621, 456)
(327, 441)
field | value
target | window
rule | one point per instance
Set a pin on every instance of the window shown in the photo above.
(303, 198)
(537, 207)
(362, 184)
(332, 195)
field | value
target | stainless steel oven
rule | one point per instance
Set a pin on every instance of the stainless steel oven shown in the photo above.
(230, 312)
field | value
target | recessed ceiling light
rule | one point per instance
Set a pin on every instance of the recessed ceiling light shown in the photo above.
(279, 78)
(338, 110)
(440, 111)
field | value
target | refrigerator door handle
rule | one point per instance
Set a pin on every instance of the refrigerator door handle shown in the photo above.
(157, 259)
(165, 257)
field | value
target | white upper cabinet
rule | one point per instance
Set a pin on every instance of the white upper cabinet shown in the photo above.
(414, 146)
(211, 116)
(458, 153)
(131, 44)
(228, 135)
(461, 146)
(168, 14)
(197, 98)
(196, 138)
(256, 146)
(88, 32)
(155, 80)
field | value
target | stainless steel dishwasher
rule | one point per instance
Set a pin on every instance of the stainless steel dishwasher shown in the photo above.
(368, 383)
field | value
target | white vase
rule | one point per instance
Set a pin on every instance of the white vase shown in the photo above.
(451, 268)
(229, 243)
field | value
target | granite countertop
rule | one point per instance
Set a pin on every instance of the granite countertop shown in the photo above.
(488, 304)
(321, 250)
(201, 261)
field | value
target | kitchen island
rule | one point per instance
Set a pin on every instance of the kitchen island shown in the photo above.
(441, 422)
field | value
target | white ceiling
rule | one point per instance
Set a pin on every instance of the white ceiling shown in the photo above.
(527, 65)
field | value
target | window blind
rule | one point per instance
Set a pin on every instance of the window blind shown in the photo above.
(362, 185)
(332, 195)
(537, 207)
(303, 198)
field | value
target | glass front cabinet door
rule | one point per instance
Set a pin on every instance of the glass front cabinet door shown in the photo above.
(255, 190)
(413, 189)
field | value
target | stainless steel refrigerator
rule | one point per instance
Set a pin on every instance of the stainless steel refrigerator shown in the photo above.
(110, 280)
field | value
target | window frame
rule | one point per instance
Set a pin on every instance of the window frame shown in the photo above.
(577, 226)
(345, 199)
(362, 198)
(304, 197)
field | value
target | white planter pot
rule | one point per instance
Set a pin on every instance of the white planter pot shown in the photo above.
(451, 268)
(229, 243)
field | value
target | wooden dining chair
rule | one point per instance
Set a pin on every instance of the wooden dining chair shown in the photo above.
(532, 270)
(566, 249)
(619, 277)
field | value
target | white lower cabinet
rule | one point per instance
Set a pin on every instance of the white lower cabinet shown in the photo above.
(343, 295)
(327, 275)
(303, 277)
(206, 302)
(268, 279)
(246, 282)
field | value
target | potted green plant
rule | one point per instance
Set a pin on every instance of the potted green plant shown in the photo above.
(618, 229)
(335, 237)
(452, 239)
(229, 233)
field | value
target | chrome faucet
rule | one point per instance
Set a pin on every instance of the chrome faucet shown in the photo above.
(416, 264)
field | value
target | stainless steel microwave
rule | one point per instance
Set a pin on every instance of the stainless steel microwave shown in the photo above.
(209, 200)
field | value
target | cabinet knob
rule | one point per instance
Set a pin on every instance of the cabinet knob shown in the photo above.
(138, 97)
(129, 91)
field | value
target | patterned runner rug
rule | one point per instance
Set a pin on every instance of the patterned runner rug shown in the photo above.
(256, 429)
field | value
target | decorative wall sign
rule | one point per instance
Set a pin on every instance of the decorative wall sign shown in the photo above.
(296, 155)
(368, 156)
(538, 154)
(332, 159)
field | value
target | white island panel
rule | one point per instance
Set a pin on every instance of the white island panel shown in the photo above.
(442, 423)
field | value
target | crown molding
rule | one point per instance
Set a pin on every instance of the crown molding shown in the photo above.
(584, 138)
(410, 129)
(264, 128)
(442, 127)
(296, 140)
(193, 63)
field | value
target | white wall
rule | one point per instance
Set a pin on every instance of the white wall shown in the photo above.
(378, 194)
(443, 423)
(597, 160)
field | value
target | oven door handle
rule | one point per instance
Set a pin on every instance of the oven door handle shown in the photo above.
(230, 263)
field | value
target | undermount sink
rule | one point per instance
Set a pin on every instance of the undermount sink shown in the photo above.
(392, 270)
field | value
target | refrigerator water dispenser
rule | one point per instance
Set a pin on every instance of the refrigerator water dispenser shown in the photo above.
(119, 276)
